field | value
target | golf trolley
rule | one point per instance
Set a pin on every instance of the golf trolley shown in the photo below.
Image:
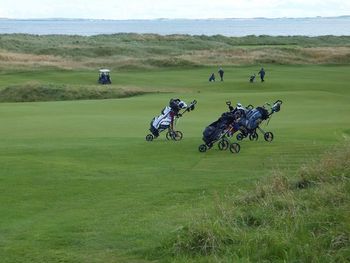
(220, 131)
(223, 142)
(173, 134)
(251, 131)
(170, 135)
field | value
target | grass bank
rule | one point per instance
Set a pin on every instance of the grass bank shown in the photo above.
(149, 51)
(302, 218)
(31, 92)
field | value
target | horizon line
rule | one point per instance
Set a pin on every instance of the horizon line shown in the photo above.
(164, 18)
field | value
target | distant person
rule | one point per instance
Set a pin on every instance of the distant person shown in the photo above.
(262, 74)
(221, 73)
(252, 78)
(102, 79)
(212, 77)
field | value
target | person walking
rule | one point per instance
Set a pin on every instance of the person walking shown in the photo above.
(221, 73)
(262, 74)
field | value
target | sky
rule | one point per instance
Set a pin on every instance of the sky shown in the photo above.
(153, 9)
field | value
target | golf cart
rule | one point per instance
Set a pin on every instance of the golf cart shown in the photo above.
(104, 77)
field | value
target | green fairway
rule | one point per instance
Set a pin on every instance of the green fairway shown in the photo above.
(79, 183)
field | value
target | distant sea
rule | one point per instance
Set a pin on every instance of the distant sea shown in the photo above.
(317, 26)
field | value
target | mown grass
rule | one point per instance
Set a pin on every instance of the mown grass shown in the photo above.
(82, 83)
(79, 183)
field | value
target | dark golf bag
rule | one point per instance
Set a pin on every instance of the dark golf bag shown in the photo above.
(216, 129)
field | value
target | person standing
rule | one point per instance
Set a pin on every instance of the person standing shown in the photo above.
(262, 74)
(221, 73)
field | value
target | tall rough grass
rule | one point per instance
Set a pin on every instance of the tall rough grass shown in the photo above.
(153, 51)
(285, 219)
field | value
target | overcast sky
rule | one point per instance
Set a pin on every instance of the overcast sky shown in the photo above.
(150, 9)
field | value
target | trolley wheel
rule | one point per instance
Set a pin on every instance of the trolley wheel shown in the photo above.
(202, 148)
(177, 136)
(168, 135)
(240, 136)
(149, 137)
(223, 144)
(253, 136)
(235, 148)
(268, 136)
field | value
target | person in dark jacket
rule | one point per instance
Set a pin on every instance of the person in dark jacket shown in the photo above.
(252, 78)
(221, 73)
(262, 74)
(212, 77)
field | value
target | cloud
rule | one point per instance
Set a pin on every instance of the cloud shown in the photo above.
(147, 9)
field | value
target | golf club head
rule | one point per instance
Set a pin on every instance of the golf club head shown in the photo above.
(250, 107)
(277, 106)
(192, 105)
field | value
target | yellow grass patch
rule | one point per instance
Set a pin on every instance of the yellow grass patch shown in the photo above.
(238, 56)
(229, 56)
(23, 59)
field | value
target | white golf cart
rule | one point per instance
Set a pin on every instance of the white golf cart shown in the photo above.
(104, 77)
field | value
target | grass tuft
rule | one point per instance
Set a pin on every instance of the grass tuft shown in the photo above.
(277, 221)
(334, 166)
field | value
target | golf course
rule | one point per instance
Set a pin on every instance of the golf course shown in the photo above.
(79, 182)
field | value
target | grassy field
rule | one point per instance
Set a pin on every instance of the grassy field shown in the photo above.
(79, 183)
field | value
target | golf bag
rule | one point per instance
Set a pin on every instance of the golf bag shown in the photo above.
(217, 129)
(162, 122)
(254, 117)
(252, 78)
(167, 119)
